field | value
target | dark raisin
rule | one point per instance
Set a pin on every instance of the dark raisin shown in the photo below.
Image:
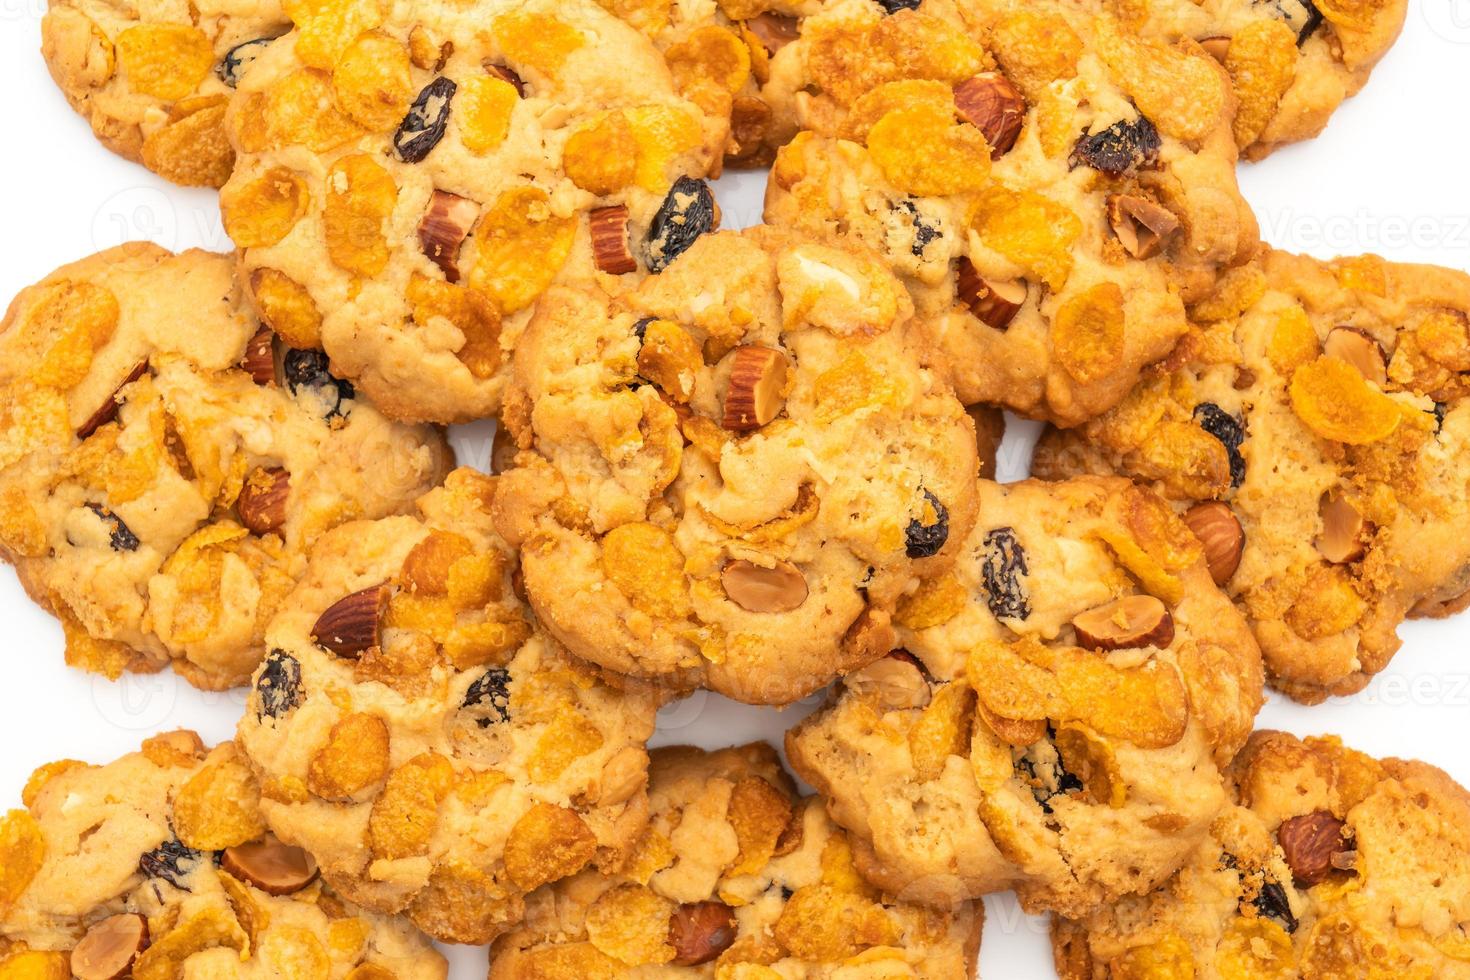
(1440, 411)
(641, 327)
(1002, 571)
(1125, 145)
(423, 127)
(923, 540)
(171, 861)
(121, 537)
(894, 6)
(687, 212)
(1273, 904)
(1041, 769)
(306, 371)
(489, 697)
(238, 58)
(1301, 16)
(786, 893)
(279, 684)
(924, 233)
(1228, 429)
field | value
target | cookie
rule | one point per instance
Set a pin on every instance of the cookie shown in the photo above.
(437, 753)
(730, 476)
(1313, 430)
(153, 80)
(159, 865)
(736, 876)
(1057, 716)
(1052, 188)
(1333, 864)
(164, 466)
(411, 180)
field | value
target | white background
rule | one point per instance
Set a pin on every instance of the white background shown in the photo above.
(1389, 177)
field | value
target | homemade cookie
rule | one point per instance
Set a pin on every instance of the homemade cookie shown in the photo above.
(413, 730)
(154, 79)
(1051, 188)
(1315, 431)
(729, 476)
(411, 179)
(1059, 712)
(158, 865)
(736, 876)
(1333, 865)
(163, 466)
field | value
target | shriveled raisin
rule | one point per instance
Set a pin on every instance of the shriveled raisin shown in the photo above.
(1042, 771)
(423, 127)
(1302, 16)
(120, 536)
(1272, 903)
(1229, 430)
(894, 6)
(279, 685)
(306, 373)
(687, 212)
(1129, 144)
(926, 534)
(172, 861)
(1001, 573)
(488, 699)
(925, 230)
(238, 58)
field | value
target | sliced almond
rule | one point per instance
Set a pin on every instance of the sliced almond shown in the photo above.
(1130, 623)
(273, 867)
(110, 947)
(1344, 531)
(610, 250)
(260, 358)
(701, 931)
(774, 31)
(1143, 227)
(1216, 47)
(109, 408)
(351, 626)
(895, 683)
(757, 391)
(994, 304)
(444, 228)
(991, 104)
(262, 503)
(1309, 843)
(761, 589)
(1219, 530)
(1360, 350)
(506, 74)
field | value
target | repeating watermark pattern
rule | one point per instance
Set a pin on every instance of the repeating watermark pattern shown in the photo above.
(1365, 231)
(155, 702)
(147, 213)
(1448, 19)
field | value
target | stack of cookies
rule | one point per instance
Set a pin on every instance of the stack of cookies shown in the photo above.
(757, 463)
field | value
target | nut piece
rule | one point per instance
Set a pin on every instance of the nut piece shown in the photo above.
(507, 74)
(351, 625)
(1216, 47)
(109, 408)
(444, 228)
(701, 931)
(109, 948)
(757, 389)
(773, 31)
(1344, 531)
(991, 104)
(1309, 843)
(1143, 227)
(273, 867)
(262, 503)
(610, 250)
(1219, 530)
(260, 358)
(1130, 623)
(1360, 350)
(758, 589)
(994, 304)
(894, 682)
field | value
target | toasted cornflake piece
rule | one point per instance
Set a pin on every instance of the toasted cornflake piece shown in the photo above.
(265, 210)
(1332, 398)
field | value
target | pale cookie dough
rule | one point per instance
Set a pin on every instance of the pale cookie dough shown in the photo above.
(410, 180)
(1334, 865)
(1058, 716)
(731, 475)
(154, 79)
(157, 496)
(1051, 188)
(424, 740)
(159, 866)
(736, 876)
(1319, 413)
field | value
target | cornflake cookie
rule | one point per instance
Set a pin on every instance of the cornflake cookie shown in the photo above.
(1332, 865)
(1051, 187)
(1313, 430)
(159, 866)
(411, 179)
(153, 80)
(731, 475)
(439, 755)
(1058, 715)
(736, 876)
(164, 462)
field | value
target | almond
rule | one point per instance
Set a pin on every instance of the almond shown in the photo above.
(895, 683)
(1344, 531)
(757, 390)
(1360, 350)
(610, 250)
(773, 31)
(994, 304)
(1309, 843)
(506, 74)
(1143, 227)
(761, 589)
(444, 228)
(110, 947)
(1219, 530)
(260, 358)
(991, 104)
(352, 625)
(700, 932)
(1131, 622)
(109, 408)
(1216, 47)
(273, 867)
(263, 498)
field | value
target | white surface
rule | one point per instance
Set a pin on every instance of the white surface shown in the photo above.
(1387, 177)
